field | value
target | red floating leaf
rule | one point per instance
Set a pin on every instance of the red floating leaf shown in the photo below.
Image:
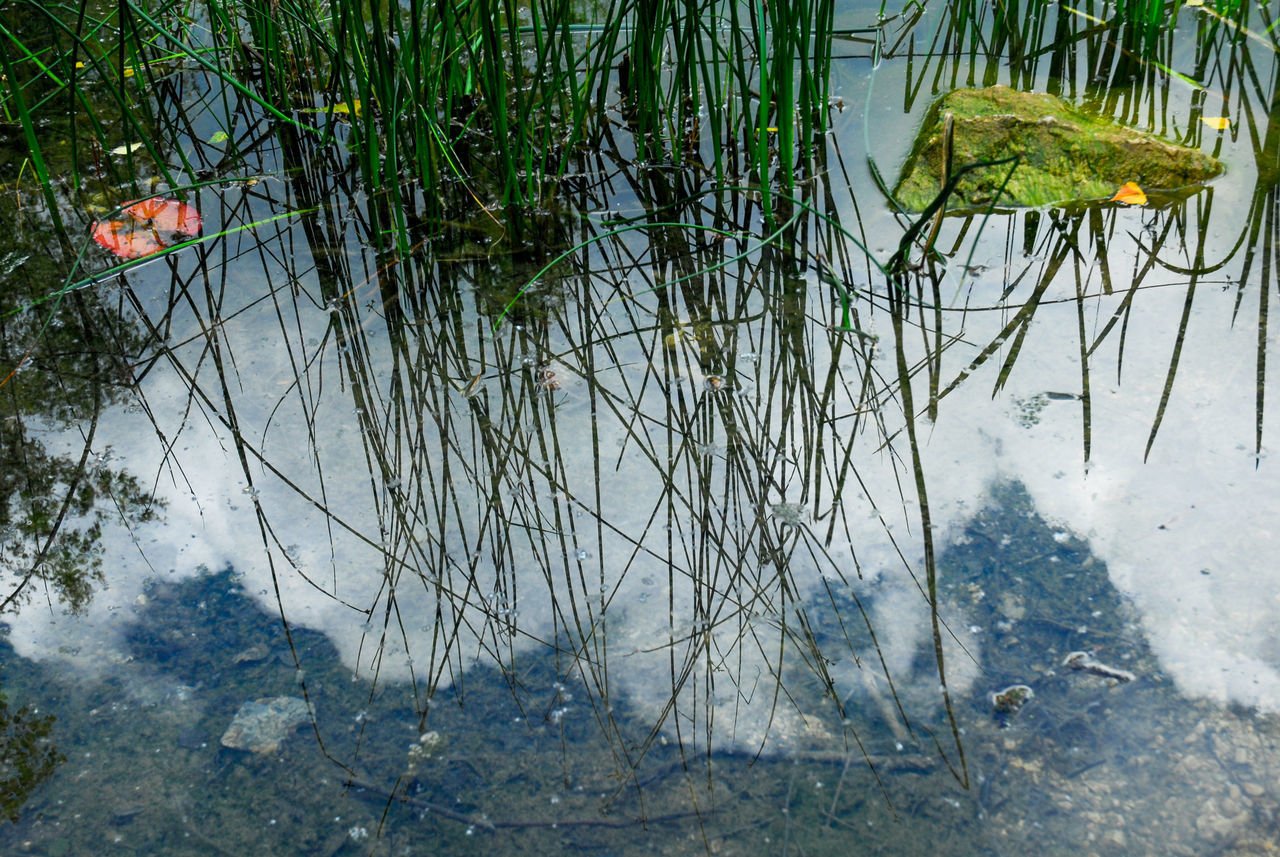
(126, 240)
(139, 233)
(167, 215)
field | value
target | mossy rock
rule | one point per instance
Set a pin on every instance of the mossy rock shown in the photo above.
(1066, 156)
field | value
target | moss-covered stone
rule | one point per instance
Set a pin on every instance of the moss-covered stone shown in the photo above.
(1065, 155)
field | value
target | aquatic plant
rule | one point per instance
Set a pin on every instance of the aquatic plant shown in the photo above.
(27, 755)
(473, 104)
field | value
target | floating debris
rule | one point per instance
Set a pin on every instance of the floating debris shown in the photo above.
(262, 725)
(1008, 702)
(428, 746)
(553, 376)
(793, 514)
(1085, 662)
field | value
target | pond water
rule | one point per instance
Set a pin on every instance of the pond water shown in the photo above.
(681, 554)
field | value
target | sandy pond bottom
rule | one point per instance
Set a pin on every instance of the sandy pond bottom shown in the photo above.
(1090, 765)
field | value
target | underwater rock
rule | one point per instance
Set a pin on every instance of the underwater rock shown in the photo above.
(1065, 156)
(252, 655)
(261, 725)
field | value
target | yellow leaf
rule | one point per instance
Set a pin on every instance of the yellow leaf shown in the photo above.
(220, 137)
(1130, 194)
(128, 148)
(1193, 2)
(343, 107)
(1218, 123)
(128, 72)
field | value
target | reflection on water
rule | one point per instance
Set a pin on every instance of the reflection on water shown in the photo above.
(696, 537)
(1087, 765)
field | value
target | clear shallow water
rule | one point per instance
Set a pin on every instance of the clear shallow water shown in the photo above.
(584, 548)
(1087, 764)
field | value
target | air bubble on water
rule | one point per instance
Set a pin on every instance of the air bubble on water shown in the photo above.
(581, 554)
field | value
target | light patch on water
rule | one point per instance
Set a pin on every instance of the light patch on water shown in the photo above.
(1187, 535)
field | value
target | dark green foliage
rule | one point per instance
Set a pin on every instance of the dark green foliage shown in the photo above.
(27, 756)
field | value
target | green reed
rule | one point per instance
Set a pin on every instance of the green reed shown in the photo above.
(458, 102)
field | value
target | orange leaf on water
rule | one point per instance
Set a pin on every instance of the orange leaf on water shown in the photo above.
(139, 233)
(166, 215)
(123, 238)
(1130, 194)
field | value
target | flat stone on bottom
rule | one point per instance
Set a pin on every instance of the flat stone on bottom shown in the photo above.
(262, 725)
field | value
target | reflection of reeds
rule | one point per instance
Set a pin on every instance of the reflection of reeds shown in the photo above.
(668, 434)
(661, 446)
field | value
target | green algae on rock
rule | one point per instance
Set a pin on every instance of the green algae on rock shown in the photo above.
(1065, 156)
